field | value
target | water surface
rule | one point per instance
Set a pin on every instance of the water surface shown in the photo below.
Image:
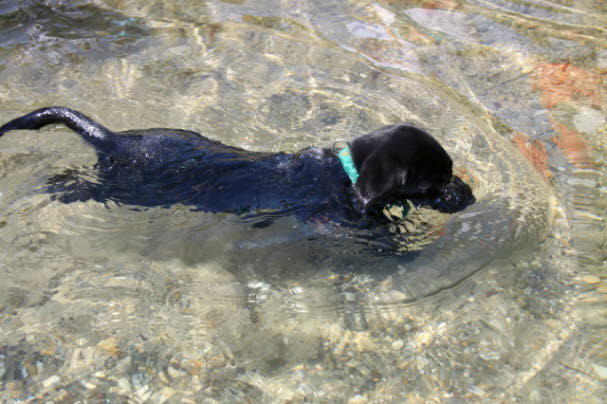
(504, 301)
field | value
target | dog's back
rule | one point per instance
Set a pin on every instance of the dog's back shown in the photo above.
(163, 167)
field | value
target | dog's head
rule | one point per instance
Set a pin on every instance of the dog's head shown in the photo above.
(406, 162)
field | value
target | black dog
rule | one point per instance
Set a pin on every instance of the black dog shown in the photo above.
(162, 167)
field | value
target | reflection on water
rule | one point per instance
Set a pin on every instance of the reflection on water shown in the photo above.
(503, 301)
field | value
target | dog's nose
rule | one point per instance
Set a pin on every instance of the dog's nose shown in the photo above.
(456, 196)
(451, 198)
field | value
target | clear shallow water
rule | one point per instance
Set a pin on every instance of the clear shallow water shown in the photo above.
(504, 301)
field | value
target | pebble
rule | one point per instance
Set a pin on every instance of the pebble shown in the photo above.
(364, 342)
(109, 346)
(163, 377)
(175, 373)
(553, 324)
(357, 399)
(601, 371)
(88, 385)
(535, 396)
(123, 364)
(393, 296)
(490, 355)
(81, 357)
(588, 120)
(163, 395)
(123, 386)
(591, 279)
(398, 344)
(143, 393)
(51, 381)
(527, 69)
(100, 375)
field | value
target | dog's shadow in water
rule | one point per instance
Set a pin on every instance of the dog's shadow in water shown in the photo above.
(252, 246)
(261, 246)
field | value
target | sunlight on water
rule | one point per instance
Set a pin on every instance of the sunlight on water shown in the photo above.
(504, 301)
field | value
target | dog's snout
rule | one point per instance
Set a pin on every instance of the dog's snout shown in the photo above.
(450, 198)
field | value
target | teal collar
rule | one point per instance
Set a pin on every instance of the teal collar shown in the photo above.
(348, 164)
(345, 156)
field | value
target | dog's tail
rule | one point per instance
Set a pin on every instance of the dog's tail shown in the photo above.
(91, 131)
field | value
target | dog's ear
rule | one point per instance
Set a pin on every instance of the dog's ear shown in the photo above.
(377, 177)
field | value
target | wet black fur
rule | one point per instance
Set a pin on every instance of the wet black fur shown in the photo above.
(162, 167)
